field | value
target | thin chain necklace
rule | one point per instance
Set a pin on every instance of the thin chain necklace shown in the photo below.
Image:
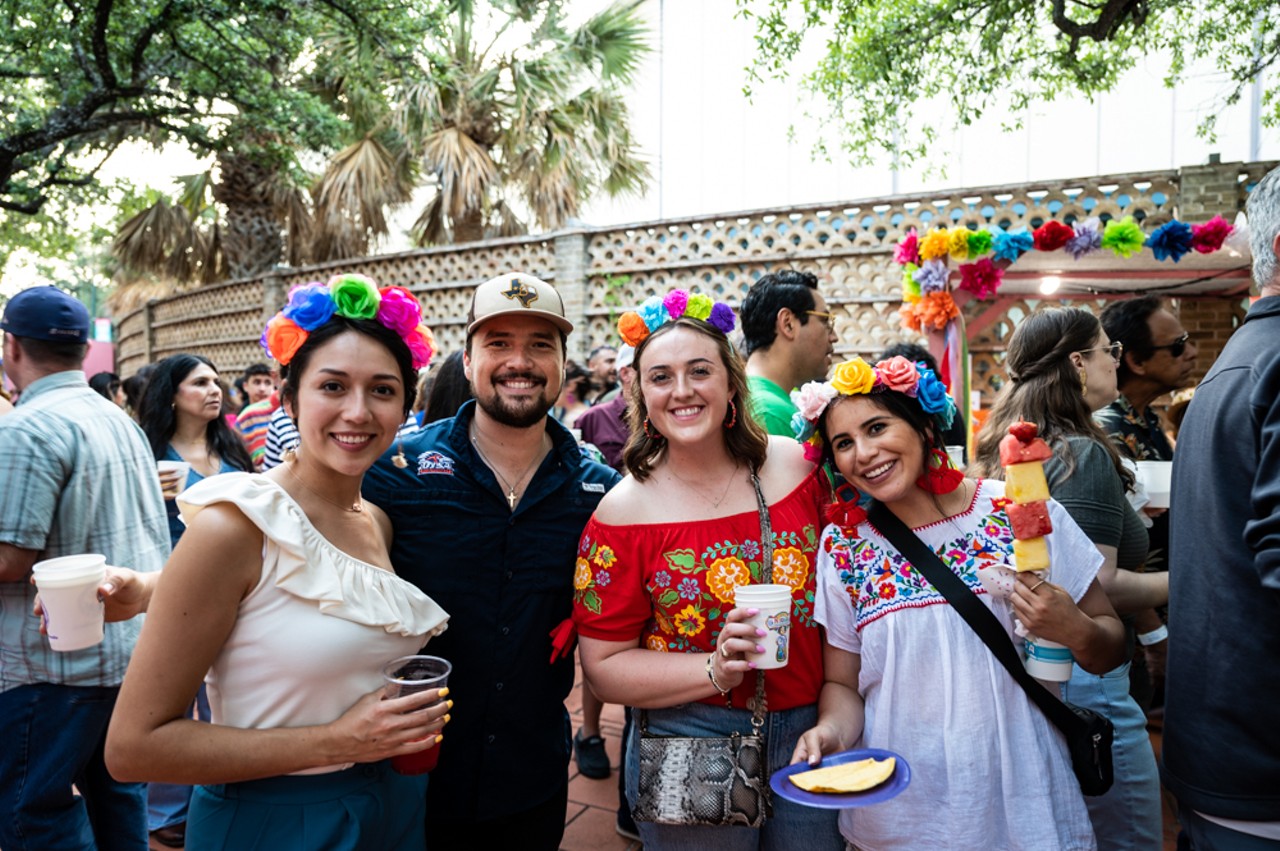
(512, 497)
(354, 508)
(715, 503)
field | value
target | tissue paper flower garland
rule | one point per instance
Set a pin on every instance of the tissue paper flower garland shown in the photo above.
(927, 299)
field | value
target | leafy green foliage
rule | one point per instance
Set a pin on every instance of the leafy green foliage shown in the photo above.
(879, 60)
(79, 76)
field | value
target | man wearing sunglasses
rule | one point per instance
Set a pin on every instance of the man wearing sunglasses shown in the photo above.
(1157, 357)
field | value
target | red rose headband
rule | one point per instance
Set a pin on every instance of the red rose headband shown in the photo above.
(352, 297)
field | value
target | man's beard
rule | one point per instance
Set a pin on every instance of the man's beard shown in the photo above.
(516, 416)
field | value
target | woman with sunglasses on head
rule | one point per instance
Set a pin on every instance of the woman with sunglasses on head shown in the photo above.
(282, 597)
(904, 671)
(661, 557)
(1062, 368)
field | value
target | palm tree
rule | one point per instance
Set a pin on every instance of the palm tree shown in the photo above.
(540, 126)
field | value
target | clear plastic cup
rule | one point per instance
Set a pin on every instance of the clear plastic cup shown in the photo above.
(68, 589)
(410, 675)
(774, 603)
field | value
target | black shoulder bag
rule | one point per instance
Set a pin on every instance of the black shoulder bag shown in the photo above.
(1089, 735)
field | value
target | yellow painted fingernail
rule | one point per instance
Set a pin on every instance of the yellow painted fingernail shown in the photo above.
(439, 739)
(449, 703)
(446, 719)
(444, 692)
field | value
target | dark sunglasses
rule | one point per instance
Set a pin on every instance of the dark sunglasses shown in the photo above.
(1177, 347)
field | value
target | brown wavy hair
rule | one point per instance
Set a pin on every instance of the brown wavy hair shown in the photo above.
(746, 440)
(1044, 388)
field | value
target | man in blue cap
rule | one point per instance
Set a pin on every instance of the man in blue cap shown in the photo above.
(78, 478)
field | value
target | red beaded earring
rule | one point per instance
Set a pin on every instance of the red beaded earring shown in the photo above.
(733, 415)
(940, 475)
(652, 435)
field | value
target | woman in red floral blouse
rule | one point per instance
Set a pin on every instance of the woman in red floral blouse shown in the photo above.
(658, 563)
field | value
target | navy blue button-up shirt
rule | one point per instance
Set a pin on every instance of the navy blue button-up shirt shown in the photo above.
(506, 580)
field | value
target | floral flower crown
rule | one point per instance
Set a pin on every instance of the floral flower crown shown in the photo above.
(857, 377)
(352, 297)
(635, 326)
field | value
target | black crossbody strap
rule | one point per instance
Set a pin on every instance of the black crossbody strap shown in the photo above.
(979, 618)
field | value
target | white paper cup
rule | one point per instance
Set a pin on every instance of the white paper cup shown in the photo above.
(182, 468)
(68, 589)
(1048, 660)
(956, 454)
(774, 603)
(1157, 477)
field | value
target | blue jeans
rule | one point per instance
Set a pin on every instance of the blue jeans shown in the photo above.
(52, 737)
(791, 827)
(1128, 816)
(167, 802)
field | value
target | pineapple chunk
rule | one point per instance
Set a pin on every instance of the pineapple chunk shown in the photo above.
(1025, 482)
(1031, 554)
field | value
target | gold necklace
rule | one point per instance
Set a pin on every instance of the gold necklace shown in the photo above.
(512, 497)
(715, 503)
(355, 508)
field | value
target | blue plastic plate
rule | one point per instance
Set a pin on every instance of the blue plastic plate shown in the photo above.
(781, 783)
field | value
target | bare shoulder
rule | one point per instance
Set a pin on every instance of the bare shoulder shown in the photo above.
(784, 468)
(221, 539)
(625, 503)
(381, 521)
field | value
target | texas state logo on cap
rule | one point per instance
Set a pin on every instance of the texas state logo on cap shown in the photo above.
(516, 293)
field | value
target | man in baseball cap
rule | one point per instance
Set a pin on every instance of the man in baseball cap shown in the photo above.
(79, 478)
(486, 519)
(46, 313)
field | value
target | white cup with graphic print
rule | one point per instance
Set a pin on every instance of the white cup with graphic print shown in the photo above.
(774, 617)
(68, 589)
(173, 477)
(1048, 660)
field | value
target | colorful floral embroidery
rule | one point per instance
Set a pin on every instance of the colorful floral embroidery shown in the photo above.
(604, 557)
(878, 580)
(690, 621)
(790, 567)
(726, 574)
(582, 575)
(654, 642)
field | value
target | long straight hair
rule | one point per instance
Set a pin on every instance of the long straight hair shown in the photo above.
(745, 439)
(1044, 388)
(159, 422)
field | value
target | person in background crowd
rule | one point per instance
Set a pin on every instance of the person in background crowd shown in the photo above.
(605, 425)
(904, 671)
(78, 478)
(672, 642)
(789, 336)
(1062, 368)
(180, 416)
(449, 391)
(282, 436)
(1159, 358)
(134, 386)
(252, 425)
(602, 362)
(954, 434)
(258, 383)
(1222, 724)
(505, 490)
(572, 402)
(282, 597)
(109, 387)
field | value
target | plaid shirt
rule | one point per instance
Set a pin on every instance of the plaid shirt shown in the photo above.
(78, 477)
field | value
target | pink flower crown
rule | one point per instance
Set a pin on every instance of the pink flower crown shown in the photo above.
(857, 377)
(635, 326)
(352, 297)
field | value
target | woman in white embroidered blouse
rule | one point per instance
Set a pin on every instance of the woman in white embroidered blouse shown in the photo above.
(282, 590)
(903, 671)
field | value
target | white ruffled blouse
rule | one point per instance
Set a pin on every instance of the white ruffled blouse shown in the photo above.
(312, 636)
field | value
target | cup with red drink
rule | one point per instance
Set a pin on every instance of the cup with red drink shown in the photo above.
(410, 675)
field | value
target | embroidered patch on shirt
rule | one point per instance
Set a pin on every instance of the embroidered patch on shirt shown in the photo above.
(434, 462)
(593, 487)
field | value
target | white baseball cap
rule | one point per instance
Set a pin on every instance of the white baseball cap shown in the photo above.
(516, 293)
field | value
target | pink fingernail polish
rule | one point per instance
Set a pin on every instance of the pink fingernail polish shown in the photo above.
(759, 648)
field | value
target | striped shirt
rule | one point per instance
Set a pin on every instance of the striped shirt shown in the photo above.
(78, 477)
